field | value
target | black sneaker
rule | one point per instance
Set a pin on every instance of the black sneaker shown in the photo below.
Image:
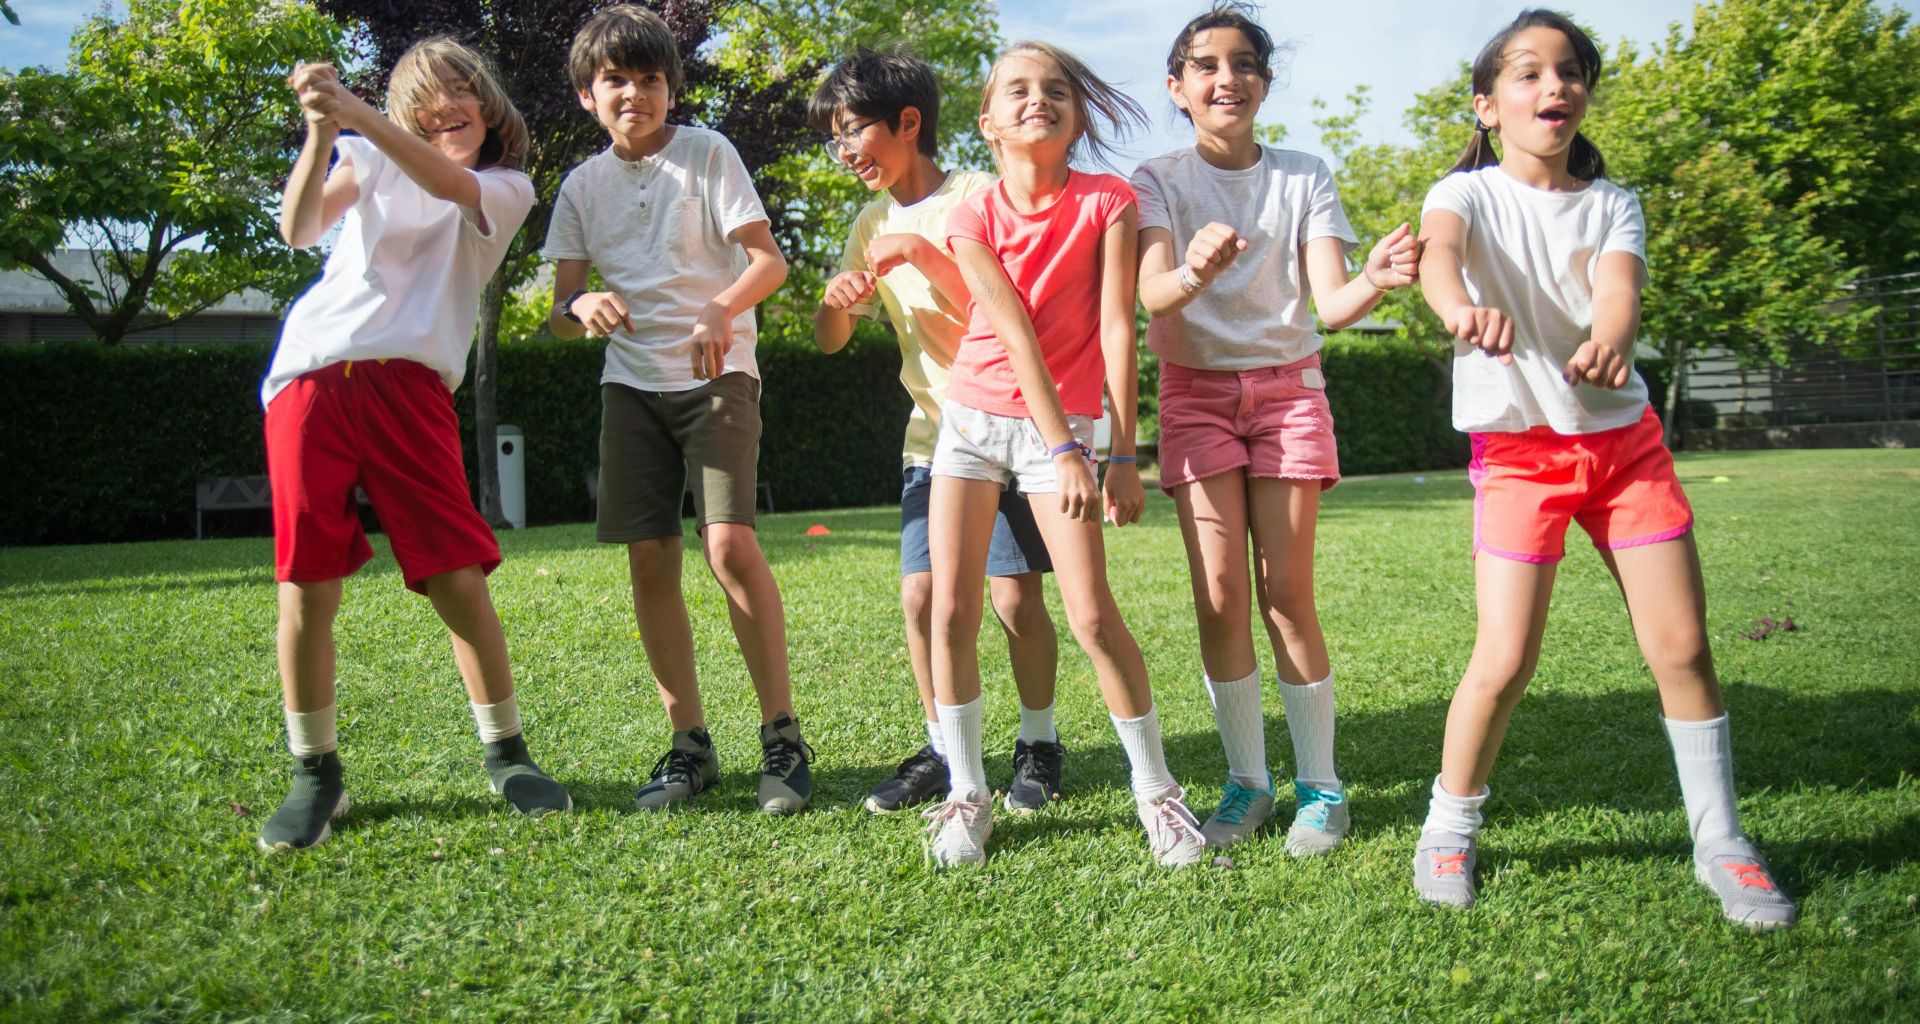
(512, 773)
(786, 783)
(1036, 775)
(305, 817)
(919, 778)
(688, 767)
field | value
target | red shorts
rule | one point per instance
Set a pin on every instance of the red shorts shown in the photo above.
(1617, 484)
(389, 428)
(1274, 422)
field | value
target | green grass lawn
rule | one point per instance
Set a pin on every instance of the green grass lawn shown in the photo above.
(141, 746)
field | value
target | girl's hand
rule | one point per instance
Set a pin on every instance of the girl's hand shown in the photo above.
(1212, 250)
(1598, 364)
(712, 340)
(302, 81)
(889, 251)
(847, 290)
(323, 99)
(1394, 261)
(1079, 497)
(1125, 497)
(601, 313)
(1489, 330)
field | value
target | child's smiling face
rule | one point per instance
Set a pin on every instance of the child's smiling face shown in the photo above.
(876, 154)
(454, 123)
(1221, 86)
(1030, 103)
(629, 103)
(1541, 95)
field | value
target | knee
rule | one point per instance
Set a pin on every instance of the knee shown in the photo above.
(654, 561)
(733, 555)
(1222, 604)
(1500, 677)
(1678, 648)
(1097, 625)
(305, 605)
(916, 596)
(1021, 604)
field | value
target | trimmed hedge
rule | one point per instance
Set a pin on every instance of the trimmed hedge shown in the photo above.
(100, 443)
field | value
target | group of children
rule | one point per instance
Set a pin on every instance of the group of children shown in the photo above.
(1012, 298)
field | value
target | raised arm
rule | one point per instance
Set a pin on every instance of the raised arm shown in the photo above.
(988, 284)
(887, 252)
(322, 93)
(1444, 236)
(314, 199)
(1124, 497)
(1392, 262)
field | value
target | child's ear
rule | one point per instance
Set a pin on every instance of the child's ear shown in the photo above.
(909, 124)
(1173, 93)
(1483, 109)
(586, 100)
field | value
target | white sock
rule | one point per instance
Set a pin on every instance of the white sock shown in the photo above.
(496, 722)
(1310, 722)
(1243, 730)
(1140, 738)
(960, 727)
(312, 732)
(1037, 726)
(1457, 814)
(935, 740)
(1703, 752)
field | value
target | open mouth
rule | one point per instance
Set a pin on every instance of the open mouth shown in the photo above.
(451, 129)
(1555, 116)
(1229, 102)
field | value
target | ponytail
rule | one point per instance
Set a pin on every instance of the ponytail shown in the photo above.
(1479, 153)
(1584, 160)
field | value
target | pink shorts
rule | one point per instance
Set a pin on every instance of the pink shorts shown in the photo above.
(388, 427)
(1273, 421)
(1619, 485)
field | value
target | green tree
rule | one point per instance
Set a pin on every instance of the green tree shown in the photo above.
(153, 150)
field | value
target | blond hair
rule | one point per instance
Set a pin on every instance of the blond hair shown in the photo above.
(1091, 96)
(420, 80)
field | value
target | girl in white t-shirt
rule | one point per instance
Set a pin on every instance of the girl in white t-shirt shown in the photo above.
(1535, 262)
(360, 394)
(1246, 437)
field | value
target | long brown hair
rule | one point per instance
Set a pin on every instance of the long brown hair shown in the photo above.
(1584, 160)
(1091, 96)
(420, 79)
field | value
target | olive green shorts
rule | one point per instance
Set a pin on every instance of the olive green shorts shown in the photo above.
(654, 443)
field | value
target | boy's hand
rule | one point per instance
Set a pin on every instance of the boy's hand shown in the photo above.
(1213, 249)
(848, 290)
(889, 251)
(602, 313)
(1125, 497)
(712, 340)
(1489, 330)
(1394, 261)
(1079, 497)
(324, 99)
(1598, 364)
(302, 82)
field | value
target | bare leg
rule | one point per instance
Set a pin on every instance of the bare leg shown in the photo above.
(1283, 517)
(1020, 603)
(660, 608)
(1513, 597)
(479, 645)
(305, 645)
(1668, 603)
(1213, 521)
(960, 521)
(916, 605)
(753, 606)
(1080, 567)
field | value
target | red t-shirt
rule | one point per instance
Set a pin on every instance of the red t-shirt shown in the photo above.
(1053, 259)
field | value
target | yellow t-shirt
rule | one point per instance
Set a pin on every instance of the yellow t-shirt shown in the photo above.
(912, 305)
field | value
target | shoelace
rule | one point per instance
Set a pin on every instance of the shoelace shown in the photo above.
(1042, 759)
(777, 758)
(675, 765)
(951, 811)
(1235, 802)
(1174, 821)
(1749, 876)
(1315, 805)
(1454, 864)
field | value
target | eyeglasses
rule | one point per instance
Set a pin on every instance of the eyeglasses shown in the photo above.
(848, 141)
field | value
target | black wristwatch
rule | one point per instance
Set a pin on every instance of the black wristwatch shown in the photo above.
(566, 308)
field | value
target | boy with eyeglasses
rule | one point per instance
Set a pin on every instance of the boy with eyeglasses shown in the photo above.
(880, 111)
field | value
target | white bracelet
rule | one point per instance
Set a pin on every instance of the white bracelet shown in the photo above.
(1189, 283)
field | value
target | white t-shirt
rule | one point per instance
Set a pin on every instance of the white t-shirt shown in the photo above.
(1531, 254)
(404, 278)
(913, 305)
(656, 228)
(1255, 313)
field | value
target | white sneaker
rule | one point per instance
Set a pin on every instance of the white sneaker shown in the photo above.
(957, 831)
(1172, 831)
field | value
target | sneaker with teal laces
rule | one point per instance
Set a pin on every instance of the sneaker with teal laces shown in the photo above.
(1320, 820)
(1242, 811)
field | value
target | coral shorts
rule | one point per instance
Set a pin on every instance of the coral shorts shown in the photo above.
(1617, 484)
(1273, 422)
(389, 428)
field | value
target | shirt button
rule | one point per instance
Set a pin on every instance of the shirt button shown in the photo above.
(643, 204)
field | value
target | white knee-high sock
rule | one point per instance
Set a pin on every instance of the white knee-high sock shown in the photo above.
(1243, 730)
(960, 727)
(1459, 815)
(1310, 722)
(1703, 752)
(496, 722)
(312, 732)
(1140, 738)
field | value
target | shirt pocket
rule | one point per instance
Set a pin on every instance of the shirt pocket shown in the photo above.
(688, 228)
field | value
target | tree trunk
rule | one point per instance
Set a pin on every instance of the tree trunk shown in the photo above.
(486, 420)
(1676, 380)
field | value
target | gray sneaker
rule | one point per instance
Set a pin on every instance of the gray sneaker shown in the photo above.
(786, 783)
(1241, 813)
(513, 774)
(1736, 873)
(1443, 869)
(1320, 820)
(687, 767)
(305, 818)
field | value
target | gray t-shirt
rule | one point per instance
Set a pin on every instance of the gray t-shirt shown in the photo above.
(656, 229)
(1255, 313)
